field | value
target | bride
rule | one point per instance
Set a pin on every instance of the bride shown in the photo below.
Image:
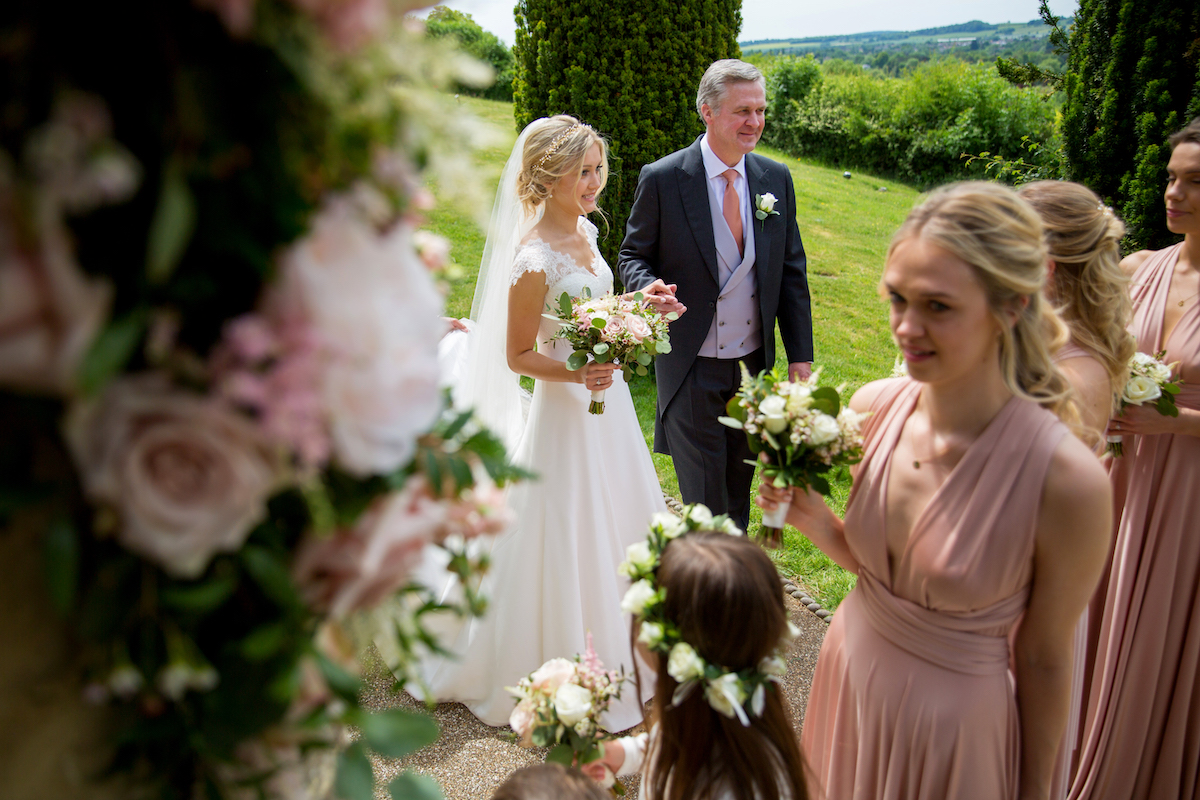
(554, 572)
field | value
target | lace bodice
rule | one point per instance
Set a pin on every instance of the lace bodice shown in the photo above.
(563, 273)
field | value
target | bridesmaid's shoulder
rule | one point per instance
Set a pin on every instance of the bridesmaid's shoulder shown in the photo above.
(1131, 262)
(866, 397)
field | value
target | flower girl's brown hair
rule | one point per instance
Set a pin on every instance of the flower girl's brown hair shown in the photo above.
(724, 594)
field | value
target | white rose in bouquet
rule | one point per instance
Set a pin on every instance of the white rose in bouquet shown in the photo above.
(825, 429)
(1139, 390)
(774, 409)
(637, 597)
(799, 399)
(572, 703)
(684, 664)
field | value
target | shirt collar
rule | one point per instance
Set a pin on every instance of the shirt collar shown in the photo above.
(714, 166)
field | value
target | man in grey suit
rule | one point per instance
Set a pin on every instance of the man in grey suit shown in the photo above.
(694, 241)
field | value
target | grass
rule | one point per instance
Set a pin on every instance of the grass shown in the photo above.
(846, 225)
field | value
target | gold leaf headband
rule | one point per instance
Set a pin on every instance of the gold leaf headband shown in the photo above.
(556, 143)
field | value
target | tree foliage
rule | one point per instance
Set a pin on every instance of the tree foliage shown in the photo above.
(1133, 78)
(474, 40)
(629, 68)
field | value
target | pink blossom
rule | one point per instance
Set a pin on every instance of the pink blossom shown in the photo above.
(236, 15)
(359, 567)
(638, 328)
(554, 673)
(433, 250)
(521, 721)
(348, 24)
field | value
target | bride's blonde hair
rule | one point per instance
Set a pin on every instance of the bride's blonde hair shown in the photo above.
(554, 149)
(999, 236)
(1089, 288)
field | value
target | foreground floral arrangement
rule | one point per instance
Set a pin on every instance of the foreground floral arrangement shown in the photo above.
(1149, 381)
(218, 373)
(801, 427)
(612, 328)
(734, 694)
(560, 706)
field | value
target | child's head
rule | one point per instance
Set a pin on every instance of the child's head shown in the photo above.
(549, 782)
(725, 597)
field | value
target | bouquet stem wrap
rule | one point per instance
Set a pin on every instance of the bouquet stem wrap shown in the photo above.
(772, 527)
(597, 404)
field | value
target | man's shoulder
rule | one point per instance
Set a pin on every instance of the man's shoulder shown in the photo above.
(767, 164)
(676, 159)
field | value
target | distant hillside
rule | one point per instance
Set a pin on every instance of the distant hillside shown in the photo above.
(964, 34)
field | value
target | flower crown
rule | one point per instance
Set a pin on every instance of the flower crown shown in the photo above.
(556, 143)
(726, 692)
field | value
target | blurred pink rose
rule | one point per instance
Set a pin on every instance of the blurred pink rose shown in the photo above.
(188, 476)
(433, 250)
(481, 511)
(554, 673)
(372, 311)
(348, 24)
(359, 567)
(638, 328)
(236, 15)
(521, 721)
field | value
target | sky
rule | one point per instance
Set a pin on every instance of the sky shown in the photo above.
(781, 19)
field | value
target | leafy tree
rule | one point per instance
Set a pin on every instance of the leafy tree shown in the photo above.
(629, 68)
(483, 45)
(1133, 78)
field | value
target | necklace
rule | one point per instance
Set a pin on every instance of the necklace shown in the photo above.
(936, 456)
(1184, 300)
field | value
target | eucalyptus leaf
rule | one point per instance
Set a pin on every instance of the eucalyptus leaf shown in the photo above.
(110, 351)
(173, 224)
(560, 754)
(199, 597)
(644, 359)
(564, 304)
(600, 348)
(577, 360)
(355, 778)
(730, 422)
(826, 399)
(397, 733)
(60, 551)
(339, 680)
(411, 786)
(663, 347)
(264, 642)
(599, 323)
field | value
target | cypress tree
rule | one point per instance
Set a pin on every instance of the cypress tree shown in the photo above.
(628, 68)
(1133, 78)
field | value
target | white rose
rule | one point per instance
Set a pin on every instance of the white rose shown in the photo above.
(730, 527)
(639, 556)
(772, 665)
(637, 597)
(766, 202)
(553, 674)
(672, 526)
(700, 515)
(1161, 373)
(684, 664)
(1140, 390)
(725, 694)
(825, 429)
(799, 399)
(651, 634)
(572, 703)
(1143, 360)
(773, 409)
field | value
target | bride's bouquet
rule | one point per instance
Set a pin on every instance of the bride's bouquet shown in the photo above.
(803, 429)
(560, 704)
(611, 328)
(1149, 381)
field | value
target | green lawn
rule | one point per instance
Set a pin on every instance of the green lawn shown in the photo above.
(846, 226)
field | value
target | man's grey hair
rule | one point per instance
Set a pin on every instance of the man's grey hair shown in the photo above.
(714, 84)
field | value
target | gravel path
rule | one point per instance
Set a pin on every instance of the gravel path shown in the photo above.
(470, 759)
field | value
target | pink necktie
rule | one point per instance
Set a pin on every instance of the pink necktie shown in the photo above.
(731, 208)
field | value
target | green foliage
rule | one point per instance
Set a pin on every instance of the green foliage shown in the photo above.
(915, 129)
(630, 69)
(474, 40)
(1133, 78)
(792, 79)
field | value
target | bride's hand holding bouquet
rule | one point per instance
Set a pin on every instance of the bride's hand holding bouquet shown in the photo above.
(799, 429)
(611, 329)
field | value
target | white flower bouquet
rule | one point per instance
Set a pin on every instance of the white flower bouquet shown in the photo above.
(1149, 381)
(612, 328)
(560, 704)
(801, 427)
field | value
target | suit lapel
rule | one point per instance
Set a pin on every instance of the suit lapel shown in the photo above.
(693, 191)
(756, 182)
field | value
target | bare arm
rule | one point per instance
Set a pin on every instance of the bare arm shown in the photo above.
(1131, 262)
(1074, 526)
(1090, 382)
(526, 301)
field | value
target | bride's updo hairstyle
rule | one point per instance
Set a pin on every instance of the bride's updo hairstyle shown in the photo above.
(1000, 237)
(1088, 287)
(724, 594)
(555, 148)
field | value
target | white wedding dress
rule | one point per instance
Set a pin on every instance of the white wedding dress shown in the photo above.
(554, 573)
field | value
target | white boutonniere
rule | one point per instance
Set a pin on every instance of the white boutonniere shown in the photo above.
(764, 206)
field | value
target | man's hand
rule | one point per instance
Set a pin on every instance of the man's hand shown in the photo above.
(800, 370)
(661, 296)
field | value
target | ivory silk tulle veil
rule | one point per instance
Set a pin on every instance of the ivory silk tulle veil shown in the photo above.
(554, 576)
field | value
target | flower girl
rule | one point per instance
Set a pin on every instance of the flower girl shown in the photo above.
(709, 608)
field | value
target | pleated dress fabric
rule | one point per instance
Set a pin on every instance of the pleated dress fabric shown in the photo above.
(1142, 723)
(912, 698)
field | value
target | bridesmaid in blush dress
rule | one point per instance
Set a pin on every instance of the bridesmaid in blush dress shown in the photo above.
(974, 507)
(1142, 724)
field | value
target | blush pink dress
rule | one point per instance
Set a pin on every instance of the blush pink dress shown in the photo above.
(912, 698)
(1142, 723)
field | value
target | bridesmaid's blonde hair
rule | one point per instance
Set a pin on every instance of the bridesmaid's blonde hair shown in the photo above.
(554, 149)
(1089, 288)
(1000, 237)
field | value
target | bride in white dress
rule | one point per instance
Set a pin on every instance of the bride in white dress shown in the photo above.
(554, 573)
